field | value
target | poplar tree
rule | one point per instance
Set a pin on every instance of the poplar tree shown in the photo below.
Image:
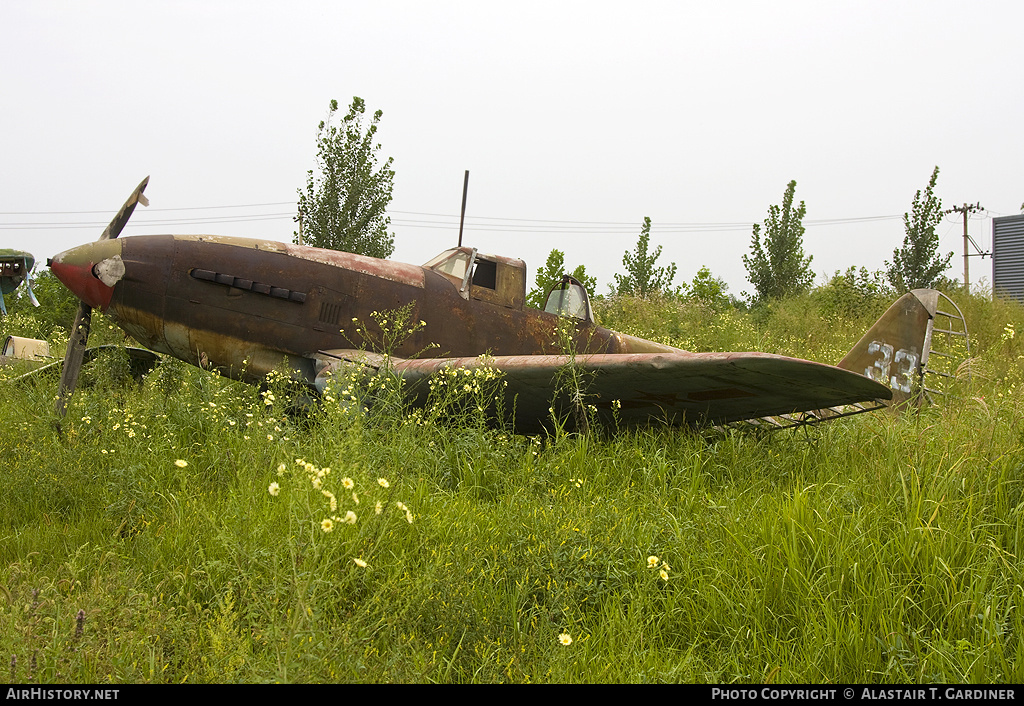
(343, 206)
(777, 267)
(549, 275)
(918, 264)
(642, 278)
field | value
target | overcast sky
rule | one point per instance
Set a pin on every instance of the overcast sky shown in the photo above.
(575, 119)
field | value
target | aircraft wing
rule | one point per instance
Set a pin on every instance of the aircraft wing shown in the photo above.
(675, 388)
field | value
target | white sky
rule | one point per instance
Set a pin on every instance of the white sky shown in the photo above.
(581, 112)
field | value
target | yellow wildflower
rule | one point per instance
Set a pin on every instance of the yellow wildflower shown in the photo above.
(274, 489)
(327, 525)
(181, 463)
(383, 483)
(652, 561)
(360, 563)
(565, 638)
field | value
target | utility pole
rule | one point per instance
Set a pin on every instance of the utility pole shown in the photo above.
(966, 210)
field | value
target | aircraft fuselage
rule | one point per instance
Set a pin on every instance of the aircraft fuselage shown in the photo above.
(243, 306)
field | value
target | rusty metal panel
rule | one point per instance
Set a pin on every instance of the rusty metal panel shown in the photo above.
(499, 281)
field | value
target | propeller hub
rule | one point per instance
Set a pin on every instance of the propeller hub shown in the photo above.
(91, 271)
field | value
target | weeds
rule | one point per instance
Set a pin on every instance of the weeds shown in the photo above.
(886, 551)
(571, 407)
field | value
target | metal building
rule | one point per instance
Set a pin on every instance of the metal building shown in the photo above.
(1008, 257)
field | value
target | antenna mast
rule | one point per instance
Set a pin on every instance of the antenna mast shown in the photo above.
(462, 219)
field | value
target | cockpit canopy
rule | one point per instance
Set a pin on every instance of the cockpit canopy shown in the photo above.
(502, 280)
(569, 298)
(490, 278)
(452, 263)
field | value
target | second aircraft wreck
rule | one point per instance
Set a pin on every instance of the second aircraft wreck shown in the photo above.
(244, 306)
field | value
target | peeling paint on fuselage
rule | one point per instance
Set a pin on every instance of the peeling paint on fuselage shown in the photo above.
(318, 300)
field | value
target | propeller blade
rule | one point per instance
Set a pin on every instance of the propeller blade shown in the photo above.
(73, 358)
(31, 295)
(80, 332)
(121, 219)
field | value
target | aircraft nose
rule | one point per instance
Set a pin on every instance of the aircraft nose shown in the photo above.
(90, 271)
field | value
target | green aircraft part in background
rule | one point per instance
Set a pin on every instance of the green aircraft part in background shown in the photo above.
(15, 268)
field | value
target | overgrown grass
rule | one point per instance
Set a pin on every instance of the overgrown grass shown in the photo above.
(879, 548)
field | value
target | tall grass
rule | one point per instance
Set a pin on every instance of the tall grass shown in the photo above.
(145, 545)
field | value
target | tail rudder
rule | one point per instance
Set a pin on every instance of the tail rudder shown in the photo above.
(896, 349)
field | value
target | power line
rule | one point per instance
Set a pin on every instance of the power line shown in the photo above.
(656, 224)
(144, 223)
(148, 210)
(827, 221)
(441, 221)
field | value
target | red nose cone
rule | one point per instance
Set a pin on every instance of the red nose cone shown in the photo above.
(90, 271)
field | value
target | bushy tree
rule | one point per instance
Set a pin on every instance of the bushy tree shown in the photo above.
(917, 264)
(708, 289)
(642, 278)
(777, 267)
(344, 202)
(854, 293)
(551, 274)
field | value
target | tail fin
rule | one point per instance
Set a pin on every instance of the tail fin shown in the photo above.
(897, 349)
